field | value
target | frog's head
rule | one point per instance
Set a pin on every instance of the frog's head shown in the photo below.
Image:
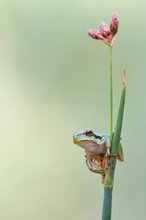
(88, 140)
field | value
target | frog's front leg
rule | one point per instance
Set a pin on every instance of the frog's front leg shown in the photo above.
(107, 144)
(106, 141)
(96, 163)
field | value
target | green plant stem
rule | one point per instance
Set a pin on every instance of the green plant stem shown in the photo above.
(111, 94)
(107, 204)
(109, 178)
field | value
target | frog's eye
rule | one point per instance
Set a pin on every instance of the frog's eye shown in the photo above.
(89, 133)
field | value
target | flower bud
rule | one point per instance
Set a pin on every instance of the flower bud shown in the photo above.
(95, 34)
(105, 30)
(114, 24)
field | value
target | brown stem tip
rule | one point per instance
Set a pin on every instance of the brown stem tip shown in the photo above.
(124, 78)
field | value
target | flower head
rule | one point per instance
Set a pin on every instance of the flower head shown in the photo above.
(106, 33)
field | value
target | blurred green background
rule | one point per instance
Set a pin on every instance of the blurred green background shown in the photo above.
(54, 81)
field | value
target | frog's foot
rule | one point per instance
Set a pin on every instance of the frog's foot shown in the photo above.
(94, 166)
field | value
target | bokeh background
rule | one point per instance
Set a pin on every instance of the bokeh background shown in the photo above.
(54, 81)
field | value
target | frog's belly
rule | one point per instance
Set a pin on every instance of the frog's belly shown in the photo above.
(93, 147)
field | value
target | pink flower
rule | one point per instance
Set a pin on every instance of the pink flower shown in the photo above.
(106, 33)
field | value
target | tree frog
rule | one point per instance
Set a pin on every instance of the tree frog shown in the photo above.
(97, 148)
